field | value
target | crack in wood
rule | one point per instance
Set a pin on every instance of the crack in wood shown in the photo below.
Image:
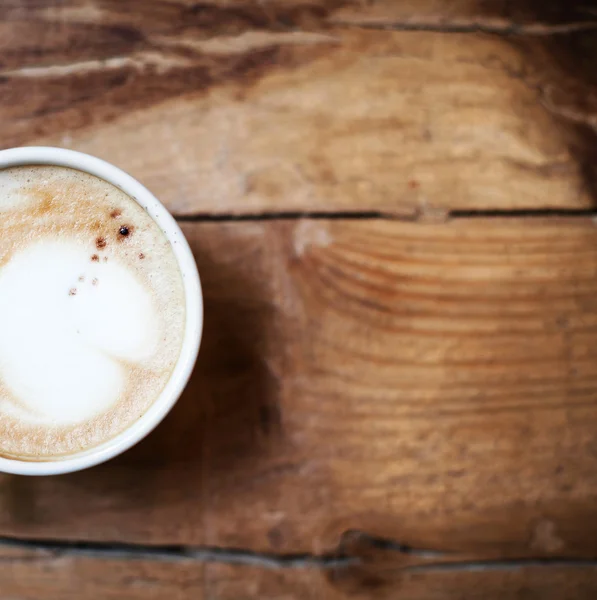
(526, 213)
(387, 556)
(286, 216)
(203, 554)
(456, 214)
(475, 27)
(501, 565)
(431, 560)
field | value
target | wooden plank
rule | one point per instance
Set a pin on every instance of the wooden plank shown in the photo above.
(394, 571)
(497, 16)
(516, 583)
(433, 383)
(33, 574)
(235, 108)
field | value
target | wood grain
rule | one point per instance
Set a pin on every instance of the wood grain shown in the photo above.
(517, 583)
(249, 108)
(433, 383)
(30, 574)
(33, 574)
(528, 17)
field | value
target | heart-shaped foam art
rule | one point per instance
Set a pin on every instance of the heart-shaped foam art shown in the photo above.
(69, 329)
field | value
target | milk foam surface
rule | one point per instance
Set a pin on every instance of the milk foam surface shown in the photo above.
(91, 312)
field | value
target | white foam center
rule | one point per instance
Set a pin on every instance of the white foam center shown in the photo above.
(62, 340)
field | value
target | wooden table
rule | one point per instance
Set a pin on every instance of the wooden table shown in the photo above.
(391, 203)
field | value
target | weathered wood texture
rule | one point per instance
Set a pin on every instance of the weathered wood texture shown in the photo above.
(281, 106)
(38, 574)
(434, 383)
(35, 574)
(532, 17)
(514, 582)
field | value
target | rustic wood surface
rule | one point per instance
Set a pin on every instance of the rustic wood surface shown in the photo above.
(56, 575)
(255, 107)
(392, 208)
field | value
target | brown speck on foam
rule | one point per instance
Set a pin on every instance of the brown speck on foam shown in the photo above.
(94, 257)
(141, 255)
(72, 292)
(116, 213)
(81, 277)
(125, 231)
(100, 243)
(94, 281)
(105, 259)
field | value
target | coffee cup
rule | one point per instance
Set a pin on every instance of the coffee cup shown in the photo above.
(103, 239)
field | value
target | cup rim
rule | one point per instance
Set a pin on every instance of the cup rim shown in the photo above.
(61, 157)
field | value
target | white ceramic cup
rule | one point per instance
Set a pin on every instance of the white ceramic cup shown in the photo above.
(193, 297)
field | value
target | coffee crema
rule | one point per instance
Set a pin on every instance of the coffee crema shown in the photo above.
(92, 312)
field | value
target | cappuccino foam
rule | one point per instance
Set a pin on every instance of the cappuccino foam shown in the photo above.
(92, 312)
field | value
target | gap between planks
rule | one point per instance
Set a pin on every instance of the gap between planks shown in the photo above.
(458, 214)
(202, 554)
(436, 560)
(474, 27)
